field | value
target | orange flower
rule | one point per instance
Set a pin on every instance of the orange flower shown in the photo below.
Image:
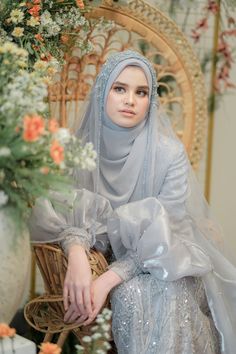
(11, 332)
(46, 57)
(45, 170)
(35, 2)
(33, 128)
(35, 47)
(49, 348)
(57, 152)
(64, 38)
(80, 4)
(38, 37)
(53, 125)
(34, 11)
(6, 331)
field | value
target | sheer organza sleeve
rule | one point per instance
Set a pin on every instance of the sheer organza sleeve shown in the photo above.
(69, 218)
(158, 232)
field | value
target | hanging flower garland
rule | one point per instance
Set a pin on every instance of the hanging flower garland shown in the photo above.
(225, 51)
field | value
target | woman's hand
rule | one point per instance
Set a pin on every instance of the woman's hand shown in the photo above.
(77, 285)
(100, 290)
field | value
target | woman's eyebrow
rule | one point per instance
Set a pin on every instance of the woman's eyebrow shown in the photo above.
(123, 84)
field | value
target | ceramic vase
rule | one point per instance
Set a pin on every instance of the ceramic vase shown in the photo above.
(15, 259)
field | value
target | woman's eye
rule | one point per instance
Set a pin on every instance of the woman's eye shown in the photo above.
(142, 93)
(119, 89)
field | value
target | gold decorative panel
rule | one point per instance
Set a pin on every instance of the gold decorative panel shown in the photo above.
(143, 28)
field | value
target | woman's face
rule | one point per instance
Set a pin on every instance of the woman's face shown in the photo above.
(128, 100)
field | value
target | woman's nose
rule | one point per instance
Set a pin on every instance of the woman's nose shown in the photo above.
(130, 99)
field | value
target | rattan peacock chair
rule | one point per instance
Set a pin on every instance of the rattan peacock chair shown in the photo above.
(46, 312)
(143, 28)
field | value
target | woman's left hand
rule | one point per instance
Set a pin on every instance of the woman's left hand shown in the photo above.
(100, 289)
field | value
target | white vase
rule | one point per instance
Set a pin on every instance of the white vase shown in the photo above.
(15, 258)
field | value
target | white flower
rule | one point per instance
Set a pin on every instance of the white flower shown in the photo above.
(106, 311)
(100, 351)
(5, 151)
(16, 16)
(87, 339)
(106, 345)
(79, 347)
(106, 335)
(96, 336)
(88, 164)
(3, 198)
(94, 328)
(33, 21)
(106, 327)
(63, 135)
(46, 18)
(100, 320)
(40, 65)
(18, 32)
(53, 29)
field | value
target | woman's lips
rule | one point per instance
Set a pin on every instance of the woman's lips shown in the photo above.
(127, 112)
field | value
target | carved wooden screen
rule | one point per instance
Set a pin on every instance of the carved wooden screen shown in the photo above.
(143, 28)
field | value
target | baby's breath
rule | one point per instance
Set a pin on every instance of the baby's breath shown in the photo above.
(98, 342)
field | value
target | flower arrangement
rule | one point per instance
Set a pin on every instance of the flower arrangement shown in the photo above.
(97, 343)
(35, 154)
(46, 29)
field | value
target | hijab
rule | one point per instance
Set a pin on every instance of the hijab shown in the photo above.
(125, 156)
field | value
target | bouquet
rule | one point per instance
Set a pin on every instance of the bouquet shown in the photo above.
(35, 154)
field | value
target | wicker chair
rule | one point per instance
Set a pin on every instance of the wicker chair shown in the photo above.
(144, 28)
(46, 312)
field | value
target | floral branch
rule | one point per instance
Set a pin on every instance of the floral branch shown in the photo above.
(224, 55)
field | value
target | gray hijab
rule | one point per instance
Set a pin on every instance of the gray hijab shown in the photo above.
(125, 155)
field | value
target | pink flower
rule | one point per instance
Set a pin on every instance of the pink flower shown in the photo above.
(202, 24)
(195, 35)
(212, 6)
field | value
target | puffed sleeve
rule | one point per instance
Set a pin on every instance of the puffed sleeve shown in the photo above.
(157, 232)
(69, 218)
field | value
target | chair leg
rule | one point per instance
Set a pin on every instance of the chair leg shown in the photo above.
(62, 337)
(48, 337)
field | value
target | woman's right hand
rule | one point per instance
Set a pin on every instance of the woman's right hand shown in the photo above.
(77, 285)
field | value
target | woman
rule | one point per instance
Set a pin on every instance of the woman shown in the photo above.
(141, 200)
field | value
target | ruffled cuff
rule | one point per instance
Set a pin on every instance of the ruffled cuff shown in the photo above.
(127, 267)
(74, 235)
